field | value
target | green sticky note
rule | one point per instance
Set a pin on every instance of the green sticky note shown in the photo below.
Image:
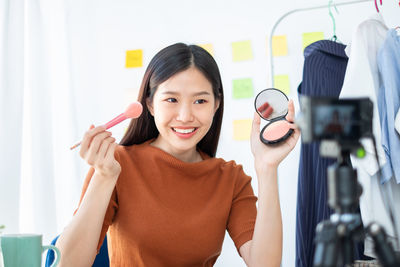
(281, 82)
(311, 37)
(242, 51)
(242, 88)
(242, 129)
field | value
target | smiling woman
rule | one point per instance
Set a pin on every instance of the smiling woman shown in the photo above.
(183, 108)
(161, 195)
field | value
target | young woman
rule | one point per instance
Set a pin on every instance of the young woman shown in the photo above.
(161, 195)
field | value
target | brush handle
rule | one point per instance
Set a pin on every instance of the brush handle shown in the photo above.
(111, 123)
(75, 146)
(116, 120)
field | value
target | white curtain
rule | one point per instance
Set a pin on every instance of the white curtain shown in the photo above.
(40, 177)
(11, 108)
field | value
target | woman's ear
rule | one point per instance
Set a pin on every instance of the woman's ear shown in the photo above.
(216, 106)
(149, 105)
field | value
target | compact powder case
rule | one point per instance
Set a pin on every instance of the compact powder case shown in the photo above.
(272, 105)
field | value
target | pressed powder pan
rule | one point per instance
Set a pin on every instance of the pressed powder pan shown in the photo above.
(272, 105)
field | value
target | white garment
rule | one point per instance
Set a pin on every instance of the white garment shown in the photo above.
(362, 79)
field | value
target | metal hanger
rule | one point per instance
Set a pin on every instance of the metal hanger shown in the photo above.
(334, 37)
(376, 5)
(294, 11)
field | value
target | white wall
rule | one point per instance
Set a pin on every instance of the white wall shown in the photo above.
(126, 25)
(100, 32)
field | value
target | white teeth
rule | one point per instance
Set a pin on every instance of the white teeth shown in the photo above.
(184, 131)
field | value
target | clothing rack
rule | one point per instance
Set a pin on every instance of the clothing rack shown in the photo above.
(295, 11)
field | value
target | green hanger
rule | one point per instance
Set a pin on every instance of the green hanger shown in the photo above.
(334, 37)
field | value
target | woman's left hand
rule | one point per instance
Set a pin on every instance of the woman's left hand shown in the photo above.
(271, 156)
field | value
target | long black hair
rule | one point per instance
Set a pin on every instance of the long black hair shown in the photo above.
(166, 63)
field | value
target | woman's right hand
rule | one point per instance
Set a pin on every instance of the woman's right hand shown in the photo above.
(97, 149)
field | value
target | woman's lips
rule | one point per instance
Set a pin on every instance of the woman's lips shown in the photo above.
(184, 132)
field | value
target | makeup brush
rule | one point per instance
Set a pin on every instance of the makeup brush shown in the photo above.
(263, 107)
(265, 110)
(132, 111)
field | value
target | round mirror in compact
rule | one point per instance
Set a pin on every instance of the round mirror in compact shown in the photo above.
(272, 105)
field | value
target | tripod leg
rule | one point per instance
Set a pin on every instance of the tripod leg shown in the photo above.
(348, 251)
(386, 254)
(326, 247)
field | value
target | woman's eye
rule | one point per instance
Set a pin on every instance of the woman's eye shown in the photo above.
(171, 100)
(200, 101)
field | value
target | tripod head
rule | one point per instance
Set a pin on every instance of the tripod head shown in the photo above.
(344, 191)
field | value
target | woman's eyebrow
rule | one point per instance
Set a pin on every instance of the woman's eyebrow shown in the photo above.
(170, 93)
(177, 93)
(201, 93)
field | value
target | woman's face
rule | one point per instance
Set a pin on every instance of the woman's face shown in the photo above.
(183, 108)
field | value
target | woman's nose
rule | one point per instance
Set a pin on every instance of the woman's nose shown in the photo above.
(185, 113)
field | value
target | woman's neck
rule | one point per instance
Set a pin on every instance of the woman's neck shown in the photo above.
(191, 155)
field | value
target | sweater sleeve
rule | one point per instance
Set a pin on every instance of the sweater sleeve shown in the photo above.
(110, 212)
(243, 213)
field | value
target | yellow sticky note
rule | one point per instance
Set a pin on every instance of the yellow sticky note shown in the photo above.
(242, 88)
(242, 129)
(208, 47)
(281, 82)
(279, 45)
(134, 58)
(242, 51)
(311, 37)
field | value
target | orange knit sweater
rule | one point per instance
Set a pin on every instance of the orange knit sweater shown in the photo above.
(166, 212)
